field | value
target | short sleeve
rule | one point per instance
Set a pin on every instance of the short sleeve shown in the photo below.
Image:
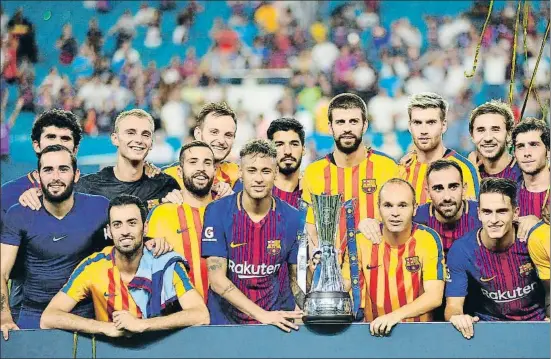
(180, 280)
(12, 229)
(433, 258)
(457, 280)
(538, 247)
(307, 197)
(156, 223)
(78, 285)
(213, 239)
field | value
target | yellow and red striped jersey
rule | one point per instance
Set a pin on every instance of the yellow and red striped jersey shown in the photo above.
(538, 247)
(415, 173)
(225, 172)
(394, 275)
(362, 182)
(97, 276)
(181, 226)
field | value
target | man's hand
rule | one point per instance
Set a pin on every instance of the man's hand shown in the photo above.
(222, 189)
(408, 157)
(158, 246)
(382, 325)
(123, 320)
(464, 323)
(6, 327)
(524, 225)
(151, 170)
(371, 229)
(31, 198)
(175, 197)
(279, 319)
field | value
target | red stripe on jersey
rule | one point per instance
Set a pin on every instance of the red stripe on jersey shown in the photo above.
(124, 295)
(203, 261)
(327, 177)
(374, 278)
(402, 297)
(111, 292)
(342, 224)
(370, 196)
(386, 264)
(414, 276)
(186, 241)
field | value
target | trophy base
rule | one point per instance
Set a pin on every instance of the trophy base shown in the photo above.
(328, 308)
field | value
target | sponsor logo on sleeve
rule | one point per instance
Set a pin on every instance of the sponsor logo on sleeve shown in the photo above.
(209, 235)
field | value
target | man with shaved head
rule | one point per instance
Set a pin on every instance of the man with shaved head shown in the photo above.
(404, 274)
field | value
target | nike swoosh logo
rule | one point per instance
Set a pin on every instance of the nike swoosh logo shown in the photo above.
(59, 238)
(235, 245)
(179, 231)
(109, 295)
(372, 267)
(487, 279)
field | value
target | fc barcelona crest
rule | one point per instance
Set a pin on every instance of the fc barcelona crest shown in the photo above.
(274, 247)
(413, 264)
(369, 185)
(525, 269)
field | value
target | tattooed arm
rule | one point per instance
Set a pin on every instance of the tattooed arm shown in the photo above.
(8, 254)
(299, 295)
(221, 284)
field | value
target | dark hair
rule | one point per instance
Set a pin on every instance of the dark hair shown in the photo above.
(532, 124)
(494, 107)
(128, 200)
(347, 101)
(502, 186)
(286, 124)
(218, 109)
(59, 119)
(258, 147)
(192, 144)
(57, 148)
(398, 181)
(440, 165)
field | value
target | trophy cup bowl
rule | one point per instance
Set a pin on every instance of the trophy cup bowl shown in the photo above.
(327, 301)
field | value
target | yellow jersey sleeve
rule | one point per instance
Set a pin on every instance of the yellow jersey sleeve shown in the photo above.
(228, 171)
(180, 280)
(307, 195)
(538, 247)
(78, 285)
(470, 176)
(172, 171)
(156, 222)
(432, 255)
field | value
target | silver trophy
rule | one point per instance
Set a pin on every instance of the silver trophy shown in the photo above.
(327, 301)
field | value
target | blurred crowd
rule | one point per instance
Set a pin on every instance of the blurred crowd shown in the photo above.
(348, 49)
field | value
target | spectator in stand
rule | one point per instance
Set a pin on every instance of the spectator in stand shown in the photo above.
(381, 111)
(324, 53)
(5, 128)
(266, 17)
(3, 22)
(125, 54)
(145, 15)
(125, 28)
(173, 114)
(153, 36)
(9, 59)
(94, 36)
(67, 45)
(23, 29)
(83, 66)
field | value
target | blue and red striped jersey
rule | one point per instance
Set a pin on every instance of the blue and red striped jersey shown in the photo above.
(256, 253)
(531, 203)
(500, 285)
(289, 197)
(449, 232)
(512, 171)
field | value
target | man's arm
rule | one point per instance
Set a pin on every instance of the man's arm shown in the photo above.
(221, 285)
(57, 316)
(300, 296)
(194, 312)
(546, 287)
(8, 254)
(454, 314)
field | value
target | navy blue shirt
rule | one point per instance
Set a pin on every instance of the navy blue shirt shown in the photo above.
(51, 248)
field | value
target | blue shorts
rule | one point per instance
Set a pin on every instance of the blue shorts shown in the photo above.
(16, 297)
(29, 318)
